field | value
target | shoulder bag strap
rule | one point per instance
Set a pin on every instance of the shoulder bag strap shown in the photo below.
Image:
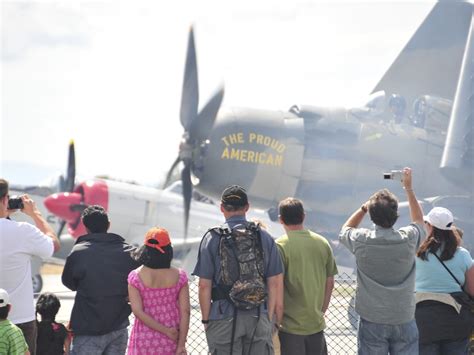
(454, 277)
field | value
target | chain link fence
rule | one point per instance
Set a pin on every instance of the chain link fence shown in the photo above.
(341, 319)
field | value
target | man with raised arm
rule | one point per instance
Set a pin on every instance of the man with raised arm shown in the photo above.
(19, 242)
(385, 257)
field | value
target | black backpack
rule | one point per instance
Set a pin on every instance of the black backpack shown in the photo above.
(241, 279)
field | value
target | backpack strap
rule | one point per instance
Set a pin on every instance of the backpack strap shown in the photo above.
(218, 292)
(256, 229)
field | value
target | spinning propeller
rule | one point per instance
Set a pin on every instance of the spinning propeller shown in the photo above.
(197, 125)
(71, 200)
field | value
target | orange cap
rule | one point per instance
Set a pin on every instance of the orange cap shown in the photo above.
(157, 238)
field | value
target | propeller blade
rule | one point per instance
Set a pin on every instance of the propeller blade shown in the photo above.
(62, 224)
(170, 172)
(200, 128)
(71, 168)
(190, 92)
(61, 184)
(187, 194)
(78, 207)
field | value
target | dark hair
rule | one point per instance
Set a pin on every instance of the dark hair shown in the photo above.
(47, 306)
(439, 238)
(153, 258)
(3, 188)
(232, 208)
(4, 312)
(383, 208)
(291, 211)
(95, 219)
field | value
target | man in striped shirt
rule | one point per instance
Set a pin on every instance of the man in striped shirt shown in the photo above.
(12, 341)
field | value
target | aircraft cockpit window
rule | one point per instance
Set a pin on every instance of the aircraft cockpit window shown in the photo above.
(432, 113)
(373, 108)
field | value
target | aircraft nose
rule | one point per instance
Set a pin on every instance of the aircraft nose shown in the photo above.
(60, 205)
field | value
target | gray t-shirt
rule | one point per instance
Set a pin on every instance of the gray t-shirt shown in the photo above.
(385, 271)
(208, 265)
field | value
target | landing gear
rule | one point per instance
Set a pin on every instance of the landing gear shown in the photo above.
(37, 283)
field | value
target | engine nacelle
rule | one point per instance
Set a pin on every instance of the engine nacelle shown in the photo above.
(69, 205)
(260, 150)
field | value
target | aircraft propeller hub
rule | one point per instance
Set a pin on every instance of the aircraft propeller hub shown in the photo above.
(59, 204)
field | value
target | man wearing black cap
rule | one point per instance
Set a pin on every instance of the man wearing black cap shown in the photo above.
(234, 323)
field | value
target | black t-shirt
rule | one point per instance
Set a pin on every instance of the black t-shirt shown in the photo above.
(51, 337)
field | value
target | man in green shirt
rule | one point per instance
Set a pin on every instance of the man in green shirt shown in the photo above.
(308, 282)
(12, 341)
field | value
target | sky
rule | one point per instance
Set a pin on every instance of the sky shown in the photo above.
(108, 74)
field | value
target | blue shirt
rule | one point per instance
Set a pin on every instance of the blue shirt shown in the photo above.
(208, 265)
(431, 276)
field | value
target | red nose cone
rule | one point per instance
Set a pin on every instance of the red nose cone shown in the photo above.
(59, 204)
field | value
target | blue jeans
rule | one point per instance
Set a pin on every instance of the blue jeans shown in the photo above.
(113, 343)
(383, 339)
(455, 347)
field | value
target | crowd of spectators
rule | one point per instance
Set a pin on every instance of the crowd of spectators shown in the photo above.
(414, 284)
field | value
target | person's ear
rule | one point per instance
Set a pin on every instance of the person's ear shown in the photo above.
(108, 225)
(247, 206)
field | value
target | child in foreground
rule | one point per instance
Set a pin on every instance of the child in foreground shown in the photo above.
(53, 337)
(12, 340)
(159, 296)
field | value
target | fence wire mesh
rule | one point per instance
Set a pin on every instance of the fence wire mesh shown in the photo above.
(341, 319)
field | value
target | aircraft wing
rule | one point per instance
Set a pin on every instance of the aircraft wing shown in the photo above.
(430, 63)
(186, 253)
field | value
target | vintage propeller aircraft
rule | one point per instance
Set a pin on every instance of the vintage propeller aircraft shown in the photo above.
(333, 158)
(133, 209)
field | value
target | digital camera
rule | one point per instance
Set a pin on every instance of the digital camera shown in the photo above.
(394, 175)
(15, 203)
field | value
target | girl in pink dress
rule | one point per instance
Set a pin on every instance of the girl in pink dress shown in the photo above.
(159, 296)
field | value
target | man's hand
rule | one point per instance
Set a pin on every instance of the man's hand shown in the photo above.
(275, 328)
(416, 213)
(407, 179)
(29, 206)
(30, 209)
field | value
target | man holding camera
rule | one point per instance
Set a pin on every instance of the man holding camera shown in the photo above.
(385, 298)
(19, 241)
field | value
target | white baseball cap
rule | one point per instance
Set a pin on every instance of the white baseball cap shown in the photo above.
(4, 298)
(440, 217)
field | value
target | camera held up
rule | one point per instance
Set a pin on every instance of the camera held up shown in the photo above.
(15, 203)
(394, 175)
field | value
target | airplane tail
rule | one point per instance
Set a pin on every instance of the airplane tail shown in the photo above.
(430, 63)
(438, 62)
(457, 163)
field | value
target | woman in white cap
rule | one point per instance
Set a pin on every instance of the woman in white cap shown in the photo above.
(443, 267)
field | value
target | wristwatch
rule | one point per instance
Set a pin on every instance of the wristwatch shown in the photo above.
(205, 321)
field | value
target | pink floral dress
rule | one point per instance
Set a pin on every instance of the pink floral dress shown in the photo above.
(162, 305)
